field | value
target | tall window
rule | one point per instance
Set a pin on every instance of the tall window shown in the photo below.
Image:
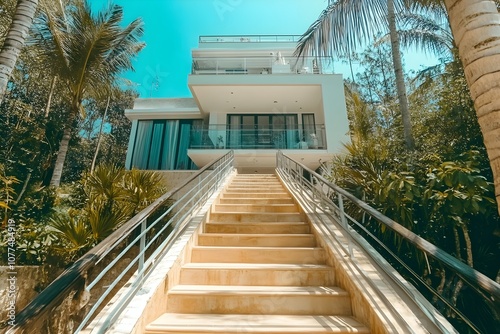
(309, 130)
(162, 145)
(263, 131)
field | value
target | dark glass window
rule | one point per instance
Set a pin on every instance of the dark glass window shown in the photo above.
(264, 131)
(162, 145)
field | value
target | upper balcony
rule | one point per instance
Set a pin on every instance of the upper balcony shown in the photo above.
(248, 41)
(275, 63)
(258, 137)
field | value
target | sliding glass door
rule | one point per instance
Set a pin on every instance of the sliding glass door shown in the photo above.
(262, 131)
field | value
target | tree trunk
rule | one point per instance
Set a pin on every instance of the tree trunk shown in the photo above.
(23, 190)
(440, 288)
(457, 243)
(468, 245)
(14, 41)
(51, 93)
(61, 157)
(400, 81)
(99, 137)
(476, 30)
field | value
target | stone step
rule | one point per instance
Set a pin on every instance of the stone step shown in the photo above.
(256, 201)
(296, 255)
(171, 323)
(231, 299)
(260, 182)
(258, 227)
(256, 185)
(255, 208)
(256, 274)
(250, 194)
(255, 190)
(257, 176)
(263, 240)
(232, 217)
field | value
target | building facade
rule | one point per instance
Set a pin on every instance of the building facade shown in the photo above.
(251, 95)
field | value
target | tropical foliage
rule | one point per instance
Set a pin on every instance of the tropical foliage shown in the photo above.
(14, 40)
(34, 114)
(102, 202)
(91, 50)
(443, 191)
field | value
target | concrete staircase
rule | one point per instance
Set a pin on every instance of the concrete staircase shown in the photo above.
(257, 269)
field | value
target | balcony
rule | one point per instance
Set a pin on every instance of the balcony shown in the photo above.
(272, 64)
(221, 137)
(250, 39)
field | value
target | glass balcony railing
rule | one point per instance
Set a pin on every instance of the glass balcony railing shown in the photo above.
(250, 38)
(309, 138)
(274, 64)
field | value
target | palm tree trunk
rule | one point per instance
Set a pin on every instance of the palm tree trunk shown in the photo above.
(51, 93)
(99, 136)
(61, 157)
(25, 186)
(14, 41)
(400, 81)
(476, 30)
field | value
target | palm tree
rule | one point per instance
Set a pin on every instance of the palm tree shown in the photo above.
(90, 51)
(476, 31)
(475, 25)
(14, 41)
(344, 24)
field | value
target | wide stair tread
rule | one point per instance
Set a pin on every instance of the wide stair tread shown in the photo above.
(257, 239)
(249, 208)
(257, 216)
(258, 323)
(251, 299)
(306, 255)
(257, 227)
(256, 201)
(257, 274)
(253, 194)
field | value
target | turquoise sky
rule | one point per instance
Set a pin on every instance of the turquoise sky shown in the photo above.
(172, 28)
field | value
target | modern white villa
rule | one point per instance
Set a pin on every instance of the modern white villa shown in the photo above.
(249, 95)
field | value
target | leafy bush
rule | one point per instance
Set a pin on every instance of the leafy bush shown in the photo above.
(102, 202)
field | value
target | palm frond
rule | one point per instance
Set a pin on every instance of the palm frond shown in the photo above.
(432, 8)
(105, 181)
(104, 217)
(142, 187)
(93, 48)
(425, 34)
(344, 25)
(74, 230)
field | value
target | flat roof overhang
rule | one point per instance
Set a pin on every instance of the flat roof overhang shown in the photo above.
(259, 93)
(260, 158)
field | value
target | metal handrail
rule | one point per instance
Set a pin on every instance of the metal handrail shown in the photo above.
(323, 191)
(74, 278)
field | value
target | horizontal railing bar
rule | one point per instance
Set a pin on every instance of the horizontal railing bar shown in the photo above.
(293, 172)
(469, 274)
(58, 290)
(413, 273)
(164, 246)
(149, 263)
